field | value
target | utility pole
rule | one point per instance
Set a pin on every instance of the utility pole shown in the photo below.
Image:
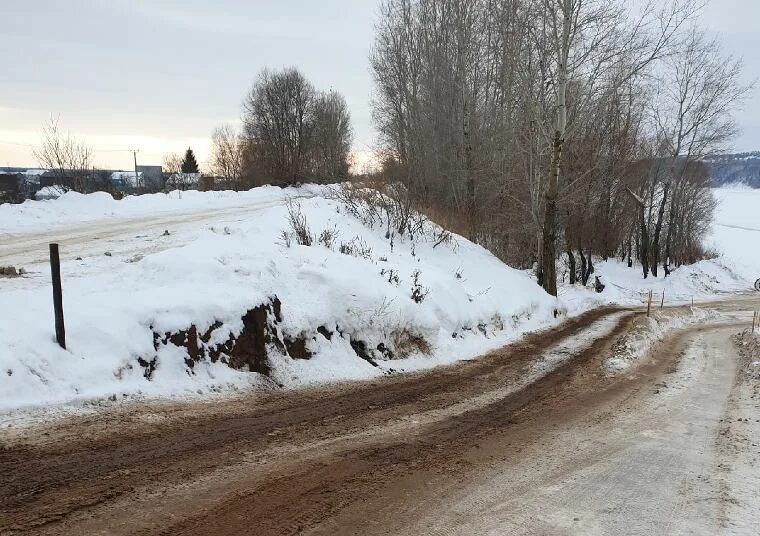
(137, 179)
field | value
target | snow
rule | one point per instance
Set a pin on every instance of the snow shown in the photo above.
(100, 207)
(46, 193)
(734, 236)
(225, 254)
(736, 230)
(113, 304)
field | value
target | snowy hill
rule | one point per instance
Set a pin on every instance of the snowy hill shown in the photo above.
(226, 299)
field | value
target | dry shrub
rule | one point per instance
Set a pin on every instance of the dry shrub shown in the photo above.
(298, 224)
(407, 343)
(327, 237)
(391, 207)
(419, 293)
(356, 247)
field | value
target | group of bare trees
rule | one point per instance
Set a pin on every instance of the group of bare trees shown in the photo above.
(556, 127)
(291, 133)
(67, 157)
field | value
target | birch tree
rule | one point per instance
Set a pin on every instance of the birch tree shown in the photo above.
(597, 43)
(698, 92)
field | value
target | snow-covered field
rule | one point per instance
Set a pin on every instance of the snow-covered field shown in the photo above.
(138, 269)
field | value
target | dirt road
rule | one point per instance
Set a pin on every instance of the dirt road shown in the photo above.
(82, 239)
(497, 445)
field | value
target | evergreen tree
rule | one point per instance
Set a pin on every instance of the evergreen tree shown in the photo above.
(189, 164)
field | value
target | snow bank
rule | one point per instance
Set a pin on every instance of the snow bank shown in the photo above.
(474, 301)
(636, 343)
(71, 208)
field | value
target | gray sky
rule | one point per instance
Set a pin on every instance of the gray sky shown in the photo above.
(159, 75)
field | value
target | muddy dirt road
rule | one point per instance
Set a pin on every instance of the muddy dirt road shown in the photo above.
(532, 439)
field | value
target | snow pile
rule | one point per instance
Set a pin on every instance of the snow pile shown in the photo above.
(702, 281)
(62, 209)
(638, 341)
(749, 348)
(355, 304)
(45, 193)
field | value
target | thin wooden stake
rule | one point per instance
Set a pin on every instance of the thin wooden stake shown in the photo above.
(55, 272)
(662, 303)
(649, 302)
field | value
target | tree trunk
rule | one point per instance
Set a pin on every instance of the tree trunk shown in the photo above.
(671, 227)
(469, 178)
(583, 263)
(571, 265)
(644, 241)
(658, 229)
(552, 187)
(549, 236)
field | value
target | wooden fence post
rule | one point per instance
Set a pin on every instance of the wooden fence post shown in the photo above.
(662, 303)
(649, 302)
(55, 272)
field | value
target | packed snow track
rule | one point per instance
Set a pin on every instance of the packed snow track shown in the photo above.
(535, 438)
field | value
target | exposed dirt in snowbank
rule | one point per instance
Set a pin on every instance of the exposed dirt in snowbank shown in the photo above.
(465, 449)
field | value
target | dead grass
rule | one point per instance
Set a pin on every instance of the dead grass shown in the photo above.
(407, 343)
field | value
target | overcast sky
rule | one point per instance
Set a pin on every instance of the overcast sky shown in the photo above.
(159, 75)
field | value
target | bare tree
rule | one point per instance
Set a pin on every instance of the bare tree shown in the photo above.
(172, 163)
(522, 124)
(227, 156)
(69, 158)
(332, 136)
(593, 41)
(277, 118)
(693, 116)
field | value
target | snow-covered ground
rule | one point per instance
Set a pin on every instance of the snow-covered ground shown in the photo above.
(224, 253)
(735, 236)
(736, 230)
(210, 272)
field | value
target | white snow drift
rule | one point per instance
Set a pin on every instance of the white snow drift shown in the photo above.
(473, 301)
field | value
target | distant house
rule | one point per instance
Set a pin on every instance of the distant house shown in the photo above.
(153, 177)
(9, 187)
(53, 178)
(16, 187)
